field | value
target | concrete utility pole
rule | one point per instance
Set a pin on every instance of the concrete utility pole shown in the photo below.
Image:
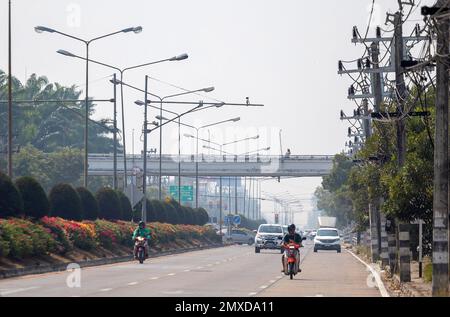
(378, 101)
(404, 254)
(440, 282)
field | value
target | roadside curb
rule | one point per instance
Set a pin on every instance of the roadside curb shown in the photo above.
(5, 274)
(375, 274)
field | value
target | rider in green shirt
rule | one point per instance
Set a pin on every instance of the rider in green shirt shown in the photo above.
(142, 231)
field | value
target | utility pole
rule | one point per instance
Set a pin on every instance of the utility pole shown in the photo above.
(440, 281)
(10, 114)
(378, 101)
(403, 232)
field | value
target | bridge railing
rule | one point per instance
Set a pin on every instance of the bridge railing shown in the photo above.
(219, 158)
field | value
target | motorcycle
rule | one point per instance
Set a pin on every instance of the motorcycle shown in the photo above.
(291, 256)
(140, 246)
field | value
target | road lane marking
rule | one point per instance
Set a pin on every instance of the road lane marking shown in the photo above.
(106, 289)
(263, 287)
(381, 287)
(186, 270)
(272, 281)
(154, 278)
(132, 283)
(171, 274)
(252, 294)
(14, 291)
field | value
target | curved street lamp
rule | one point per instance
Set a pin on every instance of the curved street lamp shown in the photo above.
(120, 82)
(43, 29)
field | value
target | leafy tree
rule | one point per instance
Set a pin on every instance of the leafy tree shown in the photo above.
(65, 202)
(89, 204)
(35, 201)
(51, 126)
(109, 206)
(11, 204)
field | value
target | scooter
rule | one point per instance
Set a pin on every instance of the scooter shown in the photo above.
(140, 246)
(292, 254)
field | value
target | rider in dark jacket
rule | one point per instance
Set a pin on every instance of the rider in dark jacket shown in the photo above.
(291, 237)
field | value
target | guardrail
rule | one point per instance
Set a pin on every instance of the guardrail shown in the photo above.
(219, 158)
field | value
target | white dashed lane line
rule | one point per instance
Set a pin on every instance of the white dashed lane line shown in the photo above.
(106, 290)
(132, 283)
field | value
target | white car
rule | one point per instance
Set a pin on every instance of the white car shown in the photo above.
(269, 237)
(327, 239)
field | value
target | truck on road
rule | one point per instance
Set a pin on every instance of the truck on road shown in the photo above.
(327, 222)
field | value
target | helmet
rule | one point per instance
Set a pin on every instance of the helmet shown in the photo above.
(291, 228)
(142, 224)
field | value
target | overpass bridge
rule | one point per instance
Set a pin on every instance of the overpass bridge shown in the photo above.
(217, 165)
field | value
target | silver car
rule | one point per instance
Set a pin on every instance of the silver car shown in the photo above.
(240, 237)
(269, 237)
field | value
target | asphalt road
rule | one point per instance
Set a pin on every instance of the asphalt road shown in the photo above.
(224, 272)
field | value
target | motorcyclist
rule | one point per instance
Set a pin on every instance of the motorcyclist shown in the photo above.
(291, 237)
(141, 231)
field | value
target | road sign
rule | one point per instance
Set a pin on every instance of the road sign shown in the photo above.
(237, 220)
(134, 195)
(187, 193)
(229, 220)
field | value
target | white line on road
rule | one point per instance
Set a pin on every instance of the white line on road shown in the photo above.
(375, 274)
(14, 291)
(186, 270)
(106, 289)
(154, 278)
(171, 274)
(132, 283)
(252, 294)
(263, 287)
(272, 281)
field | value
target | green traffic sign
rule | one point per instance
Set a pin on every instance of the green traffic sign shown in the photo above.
(187, 192)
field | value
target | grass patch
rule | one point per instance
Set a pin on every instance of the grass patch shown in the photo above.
(428, 272)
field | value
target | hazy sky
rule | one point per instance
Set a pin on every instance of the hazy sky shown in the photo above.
(282, 54)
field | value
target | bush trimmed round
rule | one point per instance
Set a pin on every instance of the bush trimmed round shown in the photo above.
(65, 202)
(109, 206)
(89, 204)
(127, 210)
(35, 201)
(11, 204)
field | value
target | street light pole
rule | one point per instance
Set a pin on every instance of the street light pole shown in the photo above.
(40, 29)
(144, 202)
(115, 135)
(121, 83)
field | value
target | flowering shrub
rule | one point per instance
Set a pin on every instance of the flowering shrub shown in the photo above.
(59, 233)
(81, 235)
(21, 238)
(25, 238)
(108, 233)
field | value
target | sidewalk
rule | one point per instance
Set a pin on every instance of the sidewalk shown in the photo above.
(416, 288)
